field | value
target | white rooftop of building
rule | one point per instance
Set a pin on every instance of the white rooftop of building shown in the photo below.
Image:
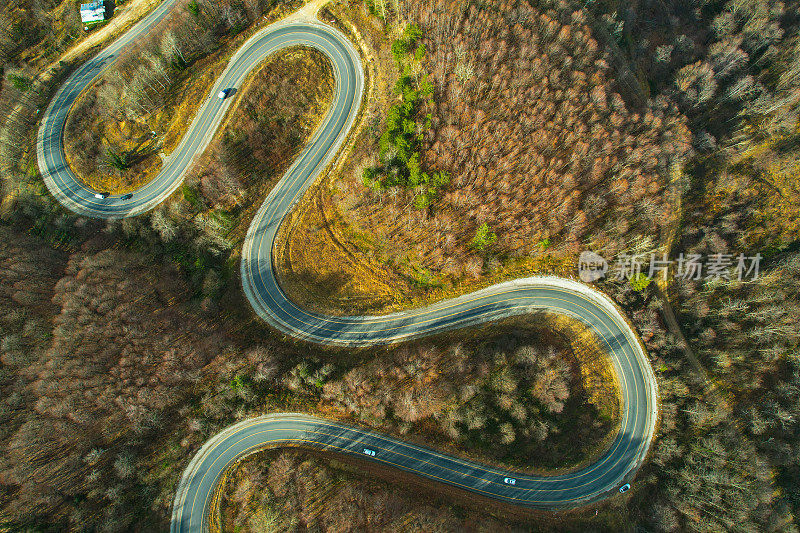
(93, 11)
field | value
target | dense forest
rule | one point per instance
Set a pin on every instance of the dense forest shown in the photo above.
(539, 148)
(708, 471)
(727, 71)
(515, 389)
(113, 372)
(517, 128)
(700, 102)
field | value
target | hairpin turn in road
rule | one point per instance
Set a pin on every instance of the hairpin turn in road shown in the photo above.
(556, 295)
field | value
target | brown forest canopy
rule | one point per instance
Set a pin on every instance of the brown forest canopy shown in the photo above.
(528, 122)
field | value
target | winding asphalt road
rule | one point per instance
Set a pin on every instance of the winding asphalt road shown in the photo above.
(556, 295)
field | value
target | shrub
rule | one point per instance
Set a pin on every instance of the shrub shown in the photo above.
(483, 238)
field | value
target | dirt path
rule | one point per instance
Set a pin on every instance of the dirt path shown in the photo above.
(711, 386)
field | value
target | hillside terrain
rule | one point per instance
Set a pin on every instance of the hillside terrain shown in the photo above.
(124, 126)
(530, 153)
(33, 34)
(113, 373)
(291, 490)
(496, 139)
(689, 111)
(92, 368)
(730, 71)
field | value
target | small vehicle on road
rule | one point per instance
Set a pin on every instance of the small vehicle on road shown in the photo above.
(509, 481)
(222, 94)
(126, 196)
(102, 195)
(625, 488)
(369, 452)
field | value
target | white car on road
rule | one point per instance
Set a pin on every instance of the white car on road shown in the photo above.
(369, 452)
(509, 481)
(222, 94)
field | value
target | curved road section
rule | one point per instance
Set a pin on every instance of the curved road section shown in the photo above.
(192, 500)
